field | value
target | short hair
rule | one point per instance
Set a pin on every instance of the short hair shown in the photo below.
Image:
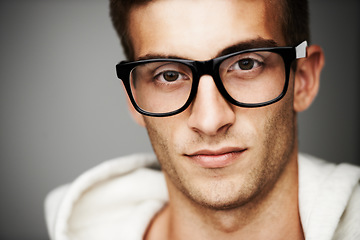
(294, 20)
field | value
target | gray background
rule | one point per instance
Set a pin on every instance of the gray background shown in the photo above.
(63, 110)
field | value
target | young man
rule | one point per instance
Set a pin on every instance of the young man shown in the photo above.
(217, 84)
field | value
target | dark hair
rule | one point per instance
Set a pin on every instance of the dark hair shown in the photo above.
(294, 21)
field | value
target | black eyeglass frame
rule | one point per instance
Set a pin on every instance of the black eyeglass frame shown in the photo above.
(211, 67)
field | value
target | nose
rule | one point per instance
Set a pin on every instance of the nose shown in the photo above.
(210, 113)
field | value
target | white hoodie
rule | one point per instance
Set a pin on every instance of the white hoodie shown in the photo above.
(118, 199)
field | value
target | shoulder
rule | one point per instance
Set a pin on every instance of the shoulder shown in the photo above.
(106, 199)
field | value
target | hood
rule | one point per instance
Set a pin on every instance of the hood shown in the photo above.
(118, 199)
(115, 200)
(327, 192)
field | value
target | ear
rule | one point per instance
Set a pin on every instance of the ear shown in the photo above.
(307, 78)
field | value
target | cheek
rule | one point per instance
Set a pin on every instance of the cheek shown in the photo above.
(159, 139)
(274, 132)
(165, 139)
(158, 134)
(279, 120)
(279, 133)
(163, 134)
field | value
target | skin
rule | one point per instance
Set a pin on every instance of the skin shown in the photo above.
(231, 172)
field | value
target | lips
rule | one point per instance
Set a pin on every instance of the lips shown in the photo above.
(216, 158)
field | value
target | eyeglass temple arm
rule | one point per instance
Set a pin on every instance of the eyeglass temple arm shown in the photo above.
(301, 50)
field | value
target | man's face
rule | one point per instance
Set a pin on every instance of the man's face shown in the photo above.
(216, 154)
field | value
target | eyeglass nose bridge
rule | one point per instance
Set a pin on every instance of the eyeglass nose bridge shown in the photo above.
(205, 68)
(210, 67)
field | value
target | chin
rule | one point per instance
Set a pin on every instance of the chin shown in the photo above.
(224, 194)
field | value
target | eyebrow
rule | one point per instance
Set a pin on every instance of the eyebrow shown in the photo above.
(243, 45)
(156, 56)
(250, 44)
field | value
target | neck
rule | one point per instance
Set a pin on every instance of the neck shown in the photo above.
(274, 214)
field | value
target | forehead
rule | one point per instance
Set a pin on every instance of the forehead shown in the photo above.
(200, 29)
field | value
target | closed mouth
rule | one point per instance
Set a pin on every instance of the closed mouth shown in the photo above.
(216, 158)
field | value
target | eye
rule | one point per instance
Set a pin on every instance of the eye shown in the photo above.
(245, 64)
(170, 72)
(170, 76)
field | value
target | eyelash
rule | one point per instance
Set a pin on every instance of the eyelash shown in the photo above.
(256, 64)
(161, 74)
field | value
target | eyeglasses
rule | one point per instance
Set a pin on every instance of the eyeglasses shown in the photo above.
(249, 78)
